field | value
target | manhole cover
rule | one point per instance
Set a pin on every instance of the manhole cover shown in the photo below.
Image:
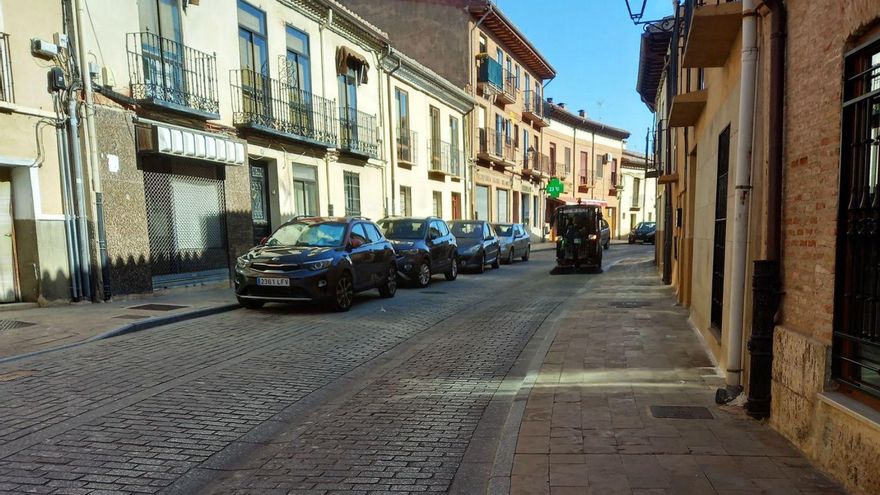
(630, 304)
(681, 412)
(432, 292)
(131, 317)
(11, 324)
(157, 307)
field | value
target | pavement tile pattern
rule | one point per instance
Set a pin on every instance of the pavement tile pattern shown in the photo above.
(587, 426)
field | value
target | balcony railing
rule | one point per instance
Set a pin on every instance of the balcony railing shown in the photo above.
(536, 163)
(276, 107)
(357, 132)
(445, 157)
(509, 91)
(407, 145)
(491, 73)
(533, 104)
(498, 146)
(6, 93)
(166, 73)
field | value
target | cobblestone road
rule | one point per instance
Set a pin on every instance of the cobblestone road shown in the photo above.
(385, 397)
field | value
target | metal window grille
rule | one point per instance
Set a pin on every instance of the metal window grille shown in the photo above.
(352, 183)
(6, 92)
(856, 337)
(186, 221)
(719, 243)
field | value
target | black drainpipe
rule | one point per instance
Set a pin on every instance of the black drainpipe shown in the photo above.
(766, 281)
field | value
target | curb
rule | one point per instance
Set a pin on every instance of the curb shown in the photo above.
(136, 326)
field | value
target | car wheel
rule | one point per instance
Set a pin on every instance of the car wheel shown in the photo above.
(525, 257)
(389, 288)
(452, 274)
(510, 257)
(482, 267)
(250, 303)
(606, 245)
(497, 263)
(343, 295)
(423, 277)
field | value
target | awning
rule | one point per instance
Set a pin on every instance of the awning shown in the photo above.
(190, 143)
(346, 57)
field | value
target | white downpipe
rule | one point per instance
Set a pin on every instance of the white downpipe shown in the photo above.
(742, 195)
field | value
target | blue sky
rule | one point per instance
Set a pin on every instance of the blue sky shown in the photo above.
(594, 47)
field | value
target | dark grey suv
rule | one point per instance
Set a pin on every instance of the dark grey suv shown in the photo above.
(424, 247)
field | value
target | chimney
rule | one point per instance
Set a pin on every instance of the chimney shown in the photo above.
(582, 114)
(549, 100)
(561, 105)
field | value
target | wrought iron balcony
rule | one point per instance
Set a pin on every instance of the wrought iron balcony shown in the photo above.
(445, 158)
(275, 107)
(508, 94)
(498, 148)
(168, 74)
(490, 75)
(6, 93)
(536, 163)
(533, 108)
(407, 146)
(357, 132)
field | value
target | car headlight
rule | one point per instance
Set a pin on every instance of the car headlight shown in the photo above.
(318, 265)
(408, 252)
(592, 237)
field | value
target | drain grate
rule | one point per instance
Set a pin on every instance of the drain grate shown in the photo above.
(681, 412)
(131, 317)
(12, 324)
(432, 292)
(157, 307)
(630, 304)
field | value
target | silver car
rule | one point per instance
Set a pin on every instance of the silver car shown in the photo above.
(514, 240)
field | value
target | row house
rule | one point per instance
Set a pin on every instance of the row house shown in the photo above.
(174, 135)
(638, 191)
(585, 155)
(766, 149)
(476, 47)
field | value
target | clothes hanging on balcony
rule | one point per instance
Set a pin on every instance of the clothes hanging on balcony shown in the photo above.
(346, 57)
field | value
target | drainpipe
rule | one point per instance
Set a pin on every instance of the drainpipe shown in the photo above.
(69, 215)
(742, 194)
(766, 285)
(472, 163)
(324, 92)
(392, 160)
(82, 224)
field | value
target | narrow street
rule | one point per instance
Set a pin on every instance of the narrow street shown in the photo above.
(423, 392)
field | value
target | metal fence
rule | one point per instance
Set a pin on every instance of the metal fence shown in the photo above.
(357, 132)
(166, 71)
(275, 105)
(6, 89)
(445, 158)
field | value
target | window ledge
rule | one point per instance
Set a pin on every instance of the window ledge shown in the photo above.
(861, 412)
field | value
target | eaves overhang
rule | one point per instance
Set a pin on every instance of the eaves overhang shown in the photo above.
(506, 31)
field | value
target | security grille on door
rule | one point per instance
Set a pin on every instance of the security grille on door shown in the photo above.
(186, 224)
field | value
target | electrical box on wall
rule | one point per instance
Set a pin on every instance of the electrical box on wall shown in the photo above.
(61, 40)
(56, 80)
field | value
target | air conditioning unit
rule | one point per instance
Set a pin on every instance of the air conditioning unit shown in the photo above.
(608, 157)
(43, 48)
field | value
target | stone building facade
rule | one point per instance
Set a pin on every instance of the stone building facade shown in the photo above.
(808, 285)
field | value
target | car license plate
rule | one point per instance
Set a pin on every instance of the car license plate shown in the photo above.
(577, 241)
(274, 282)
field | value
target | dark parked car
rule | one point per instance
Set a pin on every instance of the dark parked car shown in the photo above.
(604, 234)
(644, 232)
(514, 240)
(317, 259)
(477, 244)
(424, 247)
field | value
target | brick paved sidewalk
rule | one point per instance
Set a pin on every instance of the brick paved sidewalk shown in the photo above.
(25, 331)
(588, 425)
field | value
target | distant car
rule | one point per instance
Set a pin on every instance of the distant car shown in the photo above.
(477, 244)
(644, 232)
(515, 242)
(424, 247)
(605, 234)
(317, 259)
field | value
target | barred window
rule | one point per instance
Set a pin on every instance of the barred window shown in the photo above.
(352, 194)
(856, 341)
